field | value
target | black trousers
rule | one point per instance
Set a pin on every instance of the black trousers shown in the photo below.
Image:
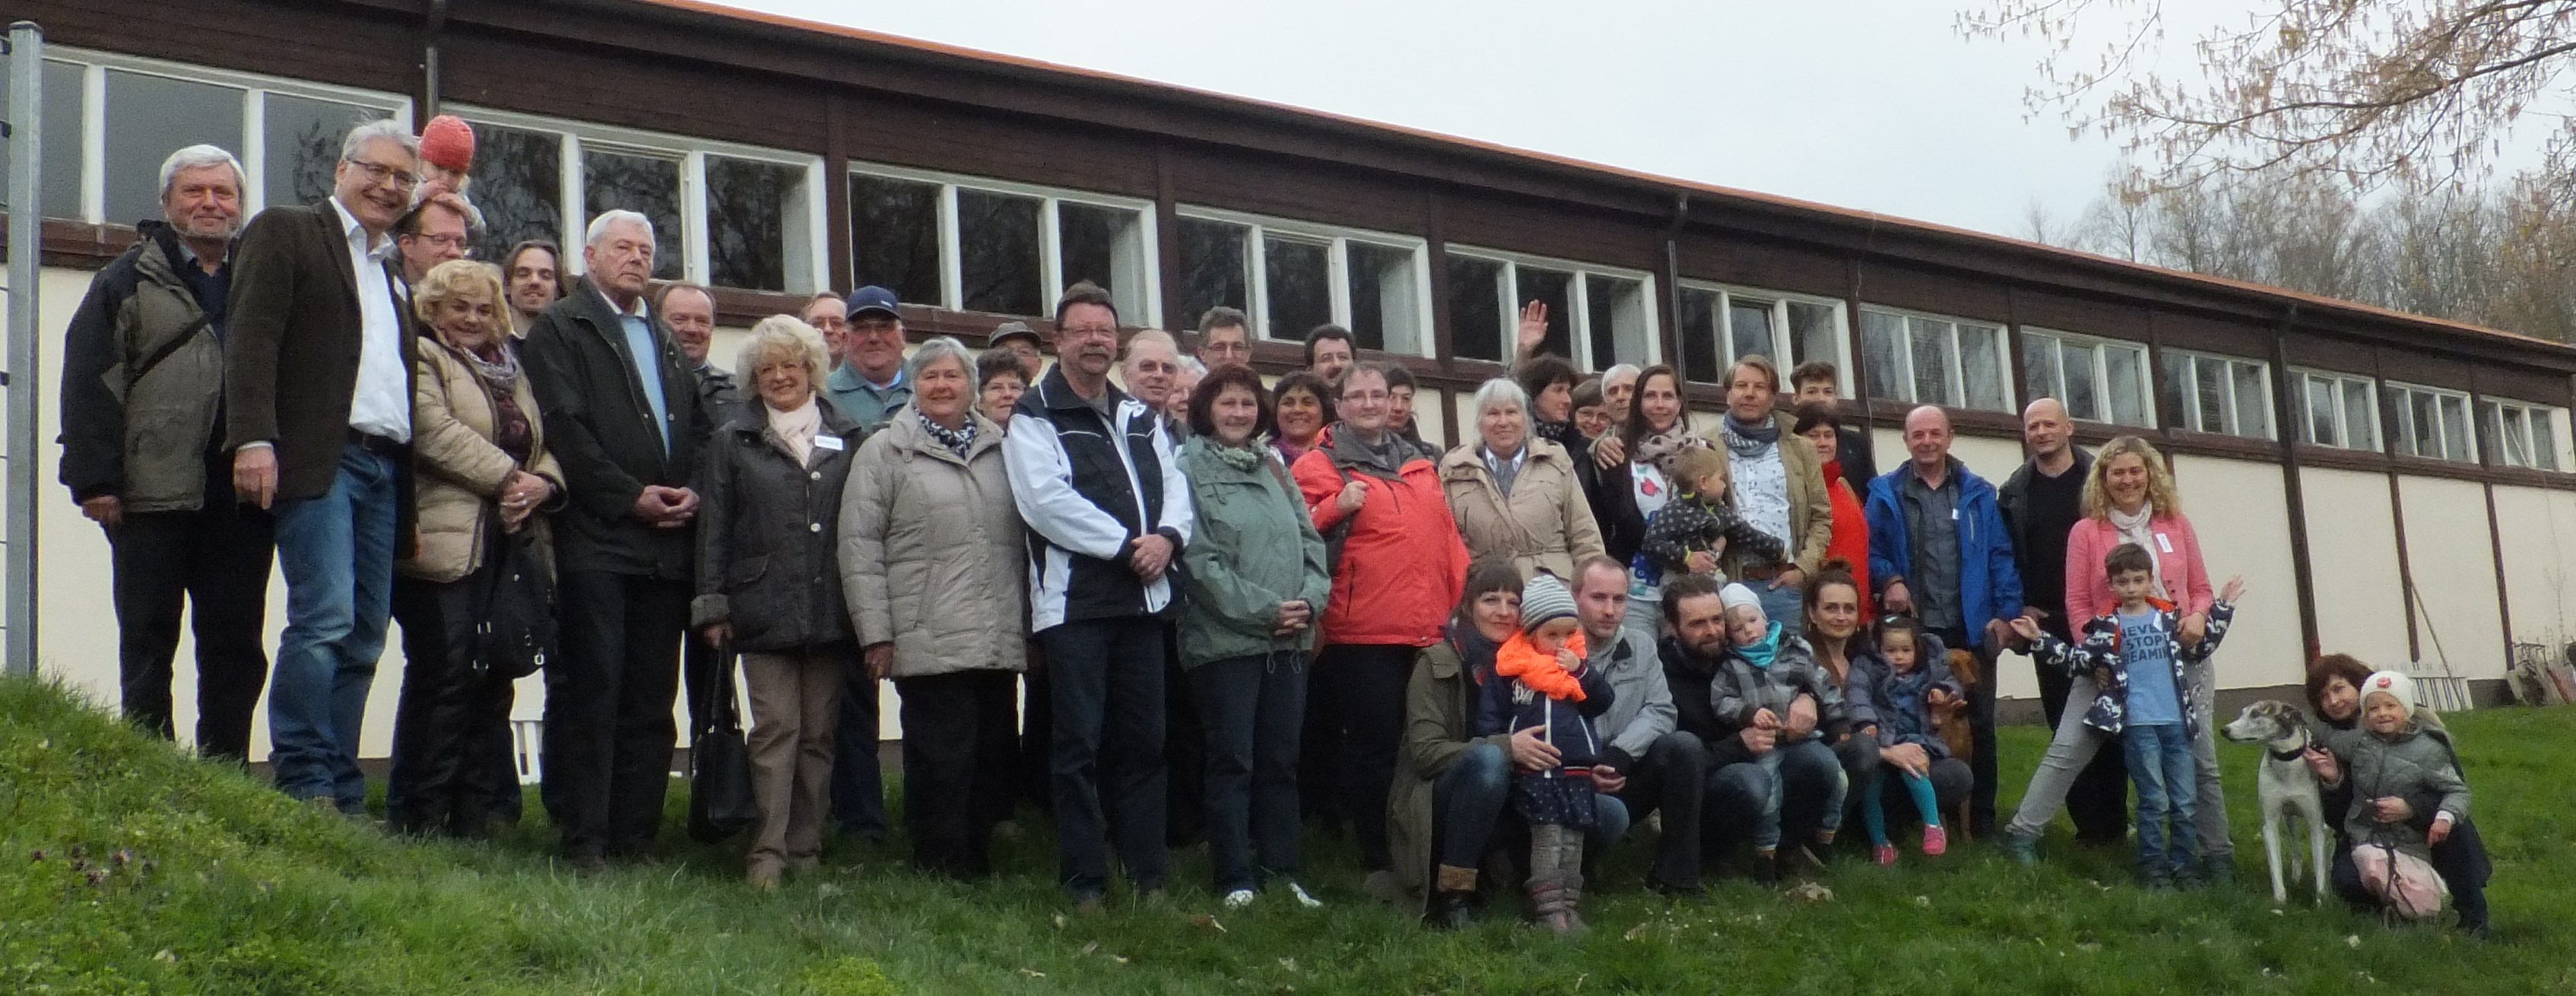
(215, 561)
(1981, 732)
(1354, 724)
(958, 749)
(445, 765)
(1254, 710)
(1106, 679)
(2098, 801)
(609, 732)
(1185, 749)
(1672, 777)
(858, 770)
(1037, 732)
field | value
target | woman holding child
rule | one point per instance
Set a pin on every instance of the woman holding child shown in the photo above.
(2360, 810)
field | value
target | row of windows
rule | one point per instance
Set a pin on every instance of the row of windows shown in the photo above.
(753, 218)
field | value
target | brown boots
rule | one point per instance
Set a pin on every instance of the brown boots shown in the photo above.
(1449, 898)
(1556, 877)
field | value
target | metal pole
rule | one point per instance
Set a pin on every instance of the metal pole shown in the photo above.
(26, 214)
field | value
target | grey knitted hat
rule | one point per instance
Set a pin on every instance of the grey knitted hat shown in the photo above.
(1544, 598)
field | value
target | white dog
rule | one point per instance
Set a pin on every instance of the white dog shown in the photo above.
(2286, 788)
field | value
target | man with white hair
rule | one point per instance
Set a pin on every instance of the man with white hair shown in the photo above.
(623, 416)
(1153, 362)
(145, 346)
(318, 350)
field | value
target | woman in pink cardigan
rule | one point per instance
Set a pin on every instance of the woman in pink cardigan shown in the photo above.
(2129, 498)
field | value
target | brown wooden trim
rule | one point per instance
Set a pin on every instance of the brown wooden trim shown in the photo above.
(1167, 250)
(841, 248)
(2294, 489)
(75, 245)
(2397, 520)
(2495, 549)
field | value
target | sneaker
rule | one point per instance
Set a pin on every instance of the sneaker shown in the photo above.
(1936, 841)
(2156, 881)
(1885, 853)
(2024, 850)
(1304, 900)
(1238, 899)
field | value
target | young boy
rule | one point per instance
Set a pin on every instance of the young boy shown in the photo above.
(1765, 674)
(1698, 531)
(2138, 659)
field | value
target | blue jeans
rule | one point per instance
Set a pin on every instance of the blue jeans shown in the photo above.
(1732, 809)
(1786, 605)
(337, 553)
(1471, 798)
(1252, 710)
(1811, 768)
(2160, 762)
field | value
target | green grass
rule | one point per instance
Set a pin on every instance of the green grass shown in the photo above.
(190, 878)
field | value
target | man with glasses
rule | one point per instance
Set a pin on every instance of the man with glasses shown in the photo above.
(1225, 336)
(436, 230)
(869, 384)
(318, 405)
(830, 315)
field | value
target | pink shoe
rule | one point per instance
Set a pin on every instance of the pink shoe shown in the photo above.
(1886, 853)
(1935, 841)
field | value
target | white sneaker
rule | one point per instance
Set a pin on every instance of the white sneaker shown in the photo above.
(1298, 892)
(1238, 899)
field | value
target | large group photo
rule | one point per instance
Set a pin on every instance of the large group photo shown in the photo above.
(829, 549)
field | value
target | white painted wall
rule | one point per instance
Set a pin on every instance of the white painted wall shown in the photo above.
(2538, 527)
(2239, 509)
(2352, 559)
(2458, 610)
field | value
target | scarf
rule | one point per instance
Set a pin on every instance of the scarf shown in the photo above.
(956, 440)
(500, 372)
(1660, 448)
(1475, 652)
(1761, 653)
(1749, 442)
(796, 428)
(1521, 659)
(1385, 459)
(2136, 529)
(1560, 433)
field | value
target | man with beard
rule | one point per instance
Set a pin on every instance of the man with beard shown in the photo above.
(532, 277)
(1693, 644)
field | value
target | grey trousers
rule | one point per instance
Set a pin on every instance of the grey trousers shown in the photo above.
(2076, 743)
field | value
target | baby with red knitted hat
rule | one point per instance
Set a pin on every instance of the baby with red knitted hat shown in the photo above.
(446, 156)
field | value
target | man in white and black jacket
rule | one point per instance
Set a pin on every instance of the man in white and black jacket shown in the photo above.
(1108, 511)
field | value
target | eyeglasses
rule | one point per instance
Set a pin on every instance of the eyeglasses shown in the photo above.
(443, 241)
(402, 178)
(1090, 330)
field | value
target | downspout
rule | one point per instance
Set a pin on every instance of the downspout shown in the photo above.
(432, 25)
(1673, 282)
(2285, 425)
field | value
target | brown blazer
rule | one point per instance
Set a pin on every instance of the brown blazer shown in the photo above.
(291, 343)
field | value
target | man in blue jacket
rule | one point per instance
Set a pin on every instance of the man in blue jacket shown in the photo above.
(1938, 549)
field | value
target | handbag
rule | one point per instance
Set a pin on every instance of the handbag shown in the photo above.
(516, 633)
(720, 799)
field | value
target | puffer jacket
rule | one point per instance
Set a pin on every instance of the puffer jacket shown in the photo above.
(2408, 764)
(930, 551)
(1878, 696)
(2097, 651)
(1254, 551)
(1402, 565)
(460, 471)
(1739, 690)
(767, 532)
(1545, 524)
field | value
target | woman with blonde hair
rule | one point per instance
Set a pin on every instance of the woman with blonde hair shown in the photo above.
(483, 481)
(769, 583)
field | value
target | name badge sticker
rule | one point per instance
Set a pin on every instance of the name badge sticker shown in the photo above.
(1954, 515)
(834, 443)
(2164, 542)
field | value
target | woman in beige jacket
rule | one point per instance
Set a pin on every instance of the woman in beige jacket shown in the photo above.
(1515, 495)
(932, 566)
(481, 469)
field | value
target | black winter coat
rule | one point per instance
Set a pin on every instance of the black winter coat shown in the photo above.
(600, 427)
(769, 534)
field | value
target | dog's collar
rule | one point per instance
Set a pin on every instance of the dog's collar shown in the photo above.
(2292, 754)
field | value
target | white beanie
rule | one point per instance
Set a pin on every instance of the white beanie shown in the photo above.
(1736, 596)
(2391, 683)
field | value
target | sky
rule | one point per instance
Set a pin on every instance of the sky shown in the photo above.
(1876, 105)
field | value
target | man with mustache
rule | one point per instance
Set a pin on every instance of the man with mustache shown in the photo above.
(318, 404)
(145, 346)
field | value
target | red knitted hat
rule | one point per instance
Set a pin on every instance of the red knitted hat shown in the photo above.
(448, 143)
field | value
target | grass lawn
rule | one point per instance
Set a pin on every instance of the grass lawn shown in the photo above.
(131, 869)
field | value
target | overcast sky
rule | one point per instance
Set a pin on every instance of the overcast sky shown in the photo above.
(1871, 104)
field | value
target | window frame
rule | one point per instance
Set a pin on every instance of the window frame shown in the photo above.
(2342, 384)
(2400, 399)
(1578, 301)
(2099, 347)
(2528, 413)
(1337, 272)
(692, 155)
(95, 65)
(952, 281)
(1782, 338)
(1958, 355)
(2187, 391)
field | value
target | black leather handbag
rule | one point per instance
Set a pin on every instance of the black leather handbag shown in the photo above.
(516, 634)
(720, 799)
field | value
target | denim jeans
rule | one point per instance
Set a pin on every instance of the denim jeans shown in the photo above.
(337, 553)
(2160, 762)
(1252, 710)
(1471, 799)
(2070, 754)
(1106, 679)
(1810, 767)
(858, 771)
(1786, 604)
(1732, 808)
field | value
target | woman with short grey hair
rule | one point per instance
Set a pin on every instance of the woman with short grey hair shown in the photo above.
(769, 586)
(1516, 496)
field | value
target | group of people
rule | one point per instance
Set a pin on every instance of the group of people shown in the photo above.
(1490, 660)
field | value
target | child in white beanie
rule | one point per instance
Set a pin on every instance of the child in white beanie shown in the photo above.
(1759, 681)
(2395, 760)
(1541, 682)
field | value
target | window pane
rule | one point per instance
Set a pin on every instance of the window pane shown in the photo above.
(2083, 392)
(1215, 268)
(1556, 288)
(1815, 335)
(1883, 357)
(2544, 440)
(1386, 310)
(2122, 366)
(2423, 424)
(2039, 364)
(149, 117)
(2361, 431)
(1105, 245)
(2253, 413)
(1476, 309)
(1298, 278)
(1000, 253)
(1748, 329)
(2173, 387)
(2502, 445)
(2209, 394)
(1617, 320)
(59, 180)
(1699, 335)
(651, 185)
(1981, 367)
(518, 185)
(756, 226)
(2322, 423)
(2455, 429)
(303, 149)
(894, 238)
(1929, 346)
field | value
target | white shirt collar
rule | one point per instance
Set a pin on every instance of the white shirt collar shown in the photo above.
(634, 312)
(378, 247)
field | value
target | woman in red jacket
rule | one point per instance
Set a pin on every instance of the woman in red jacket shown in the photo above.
(1398, 567)
(1818, 423)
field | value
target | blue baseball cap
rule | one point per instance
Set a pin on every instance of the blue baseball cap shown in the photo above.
(873, 299)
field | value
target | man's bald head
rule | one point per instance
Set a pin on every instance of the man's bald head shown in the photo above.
(2045, 428)
(1927, 437)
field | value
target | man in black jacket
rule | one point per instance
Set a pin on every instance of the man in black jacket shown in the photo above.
(2041, 503)
(143, 395)
(1818, 381)
(622, 415)
(1737, 787)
